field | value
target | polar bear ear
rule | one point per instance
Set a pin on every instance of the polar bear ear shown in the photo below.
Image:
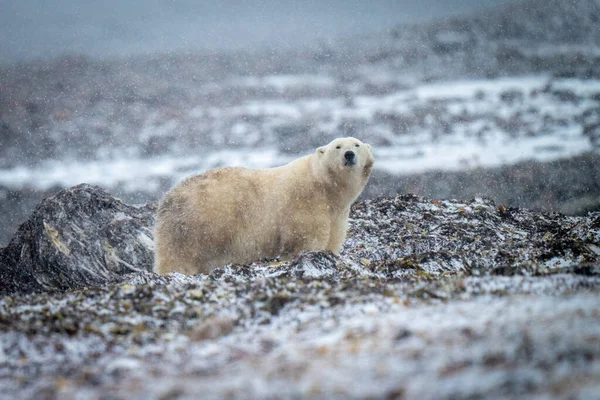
(321, 150)
(368, 146)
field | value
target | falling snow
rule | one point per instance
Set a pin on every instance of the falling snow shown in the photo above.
(491, 295)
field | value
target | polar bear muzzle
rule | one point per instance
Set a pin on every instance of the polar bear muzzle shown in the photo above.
(350, 158)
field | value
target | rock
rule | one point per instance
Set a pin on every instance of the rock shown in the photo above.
(410, 236)
(314, 265)
(80, 237)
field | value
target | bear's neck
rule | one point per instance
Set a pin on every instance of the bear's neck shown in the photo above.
(341, 189)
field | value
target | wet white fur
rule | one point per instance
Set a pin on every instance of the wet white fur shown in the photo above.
(239, 215)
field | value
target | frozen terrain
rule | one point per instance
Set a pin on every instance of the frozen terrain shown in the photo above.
(539, 341)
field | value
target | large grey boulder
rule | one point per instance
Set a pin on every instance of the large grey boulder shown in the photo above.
(80, 237)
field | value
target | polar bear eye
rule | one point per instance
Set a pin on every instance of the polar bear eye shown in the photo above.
(338, 147)
(357, 145)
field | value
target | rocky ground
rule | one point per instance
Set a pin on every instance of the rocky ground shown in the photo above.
(429, 299)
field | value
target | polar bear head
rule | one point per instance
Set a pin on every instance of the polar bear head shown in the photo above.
(346, 157)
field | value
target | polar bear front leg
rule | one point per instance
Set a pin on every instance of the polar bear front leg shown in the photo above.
(337, 235)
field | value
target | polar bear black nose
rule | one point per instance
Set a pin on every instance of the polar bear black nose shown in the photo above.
(349, 155)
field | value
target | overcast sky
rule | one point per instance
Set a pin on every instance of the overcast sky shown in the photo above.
(37, 28)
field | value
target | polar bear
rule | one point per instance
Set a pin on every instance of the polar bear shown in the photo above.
(237, 215)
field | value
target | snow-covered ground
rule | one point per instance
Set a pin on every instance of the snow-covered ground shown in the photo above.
(449, 126)
(382, 349)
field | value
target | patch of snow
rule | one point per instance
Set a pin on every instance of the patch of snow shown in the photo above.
(146, 240)
(136, 173)
(469, 88)
(282, 82)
